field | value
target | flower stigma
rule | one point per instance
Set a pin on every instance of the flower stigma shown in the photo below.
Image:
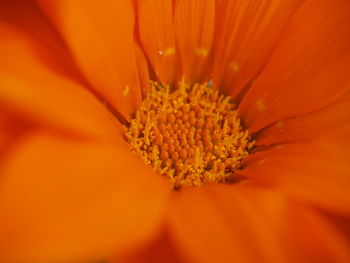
(192, 135)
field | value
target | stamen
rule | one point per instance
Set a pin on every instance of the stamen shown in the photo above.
(193, 135)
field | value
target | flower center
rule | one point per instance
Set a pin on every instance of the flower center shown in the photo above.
(193, 135)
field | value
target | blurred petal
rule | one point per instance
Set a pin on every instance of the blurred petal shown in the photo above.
(226, 224)
(309, 68)
(100, 36)
(157, 37)
(246, 224)
(317, 172)
(13, 129)
(194, 24)
(160, 250)
(64, 200)
(142, 67)
(310, 126)
(247, 31)
(309, 237)
(31, 89)
(28, 18)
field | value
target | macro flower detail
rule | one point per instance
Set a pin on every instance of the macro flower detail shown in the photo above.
(192, 135)
(174, 131)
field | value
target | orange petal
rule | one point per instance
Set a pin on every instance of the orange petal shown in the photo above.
(309, 68)
(157, 37)
(161, 250)
(28, 18)
(342, 223)
(309, 237)
(142, 67)
(316, 172)
(246, 33)
(194, 30)
(34, 91)
(64, 200)
(246, 224)
(224, 223)
(309, 126)
(100, 36)
(13, 129)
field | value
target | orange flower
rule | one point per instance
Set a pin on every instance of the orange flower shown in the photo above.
(72, 73)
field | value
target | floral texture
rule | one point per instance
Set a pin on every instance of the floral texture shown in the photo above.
(73, 73)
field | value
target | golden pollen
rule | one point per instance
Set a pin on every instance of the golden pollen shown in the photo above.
(193, 135)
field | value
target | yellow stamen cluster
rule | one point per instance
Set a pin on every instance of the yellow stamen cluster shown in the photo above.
(193, 135)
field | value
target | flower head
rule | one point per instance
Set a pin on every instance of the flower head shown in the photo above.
(242, 107)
